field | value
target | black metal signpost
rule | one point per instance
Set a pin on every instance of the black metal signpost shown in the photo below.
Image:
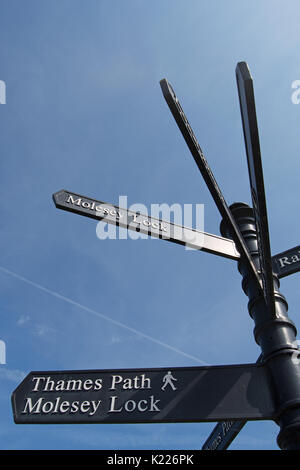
(282, 264)
(230, 395)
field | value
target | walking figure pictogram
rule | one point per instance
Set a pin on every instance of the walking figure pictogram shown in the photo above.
(168, 380)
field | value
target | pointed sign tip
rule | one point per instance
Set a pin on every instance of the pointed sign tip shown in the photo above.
(242, 70)
(56, 196)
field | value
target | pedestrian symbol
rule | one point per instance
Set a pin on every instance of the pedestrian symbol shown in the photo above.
(168, 380)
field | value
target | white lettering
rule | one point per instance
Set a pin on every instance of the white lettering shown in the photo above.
(60, 385)
(226, 426)
(95, 406)
(140, 405)
(74, 407)
(36, 386)
(98, 384)
(64, 406)
(47, 407)
(31, 407)
(147, 223)
(85, 406)
(130, 383)
(283, 261)
(72, 200)
(131, 405)
(112, 405)
(88, 384)
(49, 383)
(115, 380)
(74, 385)
(153, 406)
(56, 405)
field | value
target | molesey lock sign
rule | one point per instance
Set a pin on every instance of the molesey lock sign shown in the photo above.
(151, 226)
(144, 395)
(230, 395)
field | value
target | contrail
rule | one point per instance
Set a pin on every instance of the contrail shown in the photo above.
(100, 315)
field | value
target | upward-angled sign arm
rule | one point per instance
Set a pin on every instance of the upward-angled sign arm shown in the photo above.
(250, 128)
(207, 174)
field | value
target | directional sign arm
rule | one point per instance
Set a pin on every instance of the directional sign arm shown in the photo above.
(151, 226)
(250, 129)
(287, 262)
(225, 431)
(182, 394)
(208, 176)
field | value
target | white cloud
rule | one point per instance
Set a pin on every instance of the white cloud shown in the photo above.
(23, 319)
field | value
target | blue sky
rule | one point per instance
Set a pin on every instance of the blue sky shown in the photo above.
(84, 112)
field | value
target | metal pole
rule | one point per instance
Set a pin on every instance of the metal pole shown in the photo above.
(276, 336)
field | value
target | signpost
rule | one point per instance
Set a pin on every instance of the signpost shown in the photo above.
(230, 395)
(248, 113)
(191, 394)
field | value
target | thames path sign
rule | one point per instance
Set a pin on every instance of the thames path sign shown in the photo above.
(192, 394)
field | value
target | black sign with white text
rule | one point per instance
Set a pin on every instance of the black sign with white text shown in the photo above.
(180, 394)
(287, 262)
(223, 435)
(151, 226)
